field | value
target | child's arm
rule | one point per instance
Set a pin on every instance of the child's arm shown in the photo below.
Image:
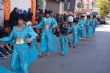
(70, 29)
(40, 25)
(8, 47)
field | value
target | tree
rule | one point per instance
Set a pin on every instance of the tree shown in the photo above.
(104, 7)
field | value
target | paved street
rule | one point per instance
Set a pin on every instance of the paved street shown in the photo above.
(91, 56)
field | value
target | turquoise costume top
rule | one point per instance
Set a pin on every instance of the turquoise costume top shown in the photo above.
(82, 26)
(89, 28)
(95, 24)
(75, 36)
(89, 22)
(47, 24)
(47, 38)
(24, 54)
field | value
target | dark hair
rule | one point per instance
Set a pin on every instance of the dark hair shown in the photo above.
(82, 16)
(15, 9)
(51, 11)
(75, 20)
(88, 16)
(22, 17)
(47, 11)
(94, 16)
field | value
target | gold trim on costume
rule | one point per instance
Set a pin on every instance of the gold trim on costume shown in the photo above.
(20, 41)
(46, 27)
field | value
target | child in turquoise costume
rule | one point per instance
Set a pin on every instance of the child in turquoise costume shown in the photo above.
(88, 26)
(47, 24)
(74, 29)
(82, 25)
(95, 24)
(55, 37)
(24, 47)
(64, 40)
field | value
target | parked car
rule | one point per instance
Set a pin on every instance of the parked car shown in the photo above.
(102, 21)
(107, 20)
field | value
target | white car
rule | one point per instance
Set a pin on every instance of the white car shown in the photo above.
(107, 20)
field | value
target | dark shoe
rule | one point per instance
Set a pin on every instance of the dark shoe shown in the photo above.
(62, 54)
(69, 44)
(40, 55)
(47, 54)
(74, 47)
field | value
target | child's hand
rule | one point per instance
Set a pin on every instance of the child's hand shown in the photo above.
(1, 46)
(58, 29)
(36, 22)
(28, 23)
(33, 26)
(29, 40)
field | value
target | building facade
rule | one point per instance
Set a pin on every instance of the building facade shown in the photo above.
(89, 6)
(70, 5)
(86, 6)
(55, 5)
